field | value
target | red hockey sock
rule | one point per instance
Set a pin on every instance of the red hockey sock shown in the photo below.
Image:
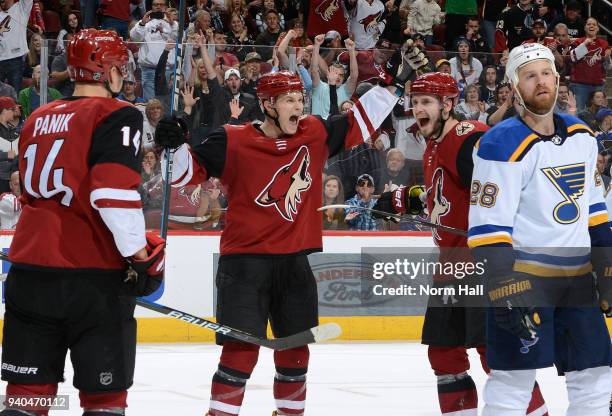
(290, 380)
(457, 393)
(537, 406)
(235, 367)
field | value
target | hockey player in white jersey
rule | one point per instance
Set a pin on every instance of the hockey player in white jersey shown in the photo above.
(537, 204)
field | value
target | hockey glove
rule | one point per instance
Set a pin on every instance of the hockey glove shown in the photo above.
(400, 201)
(406, 63)
(604, 288)
(171, 132)
(511, 296)
(145, 276)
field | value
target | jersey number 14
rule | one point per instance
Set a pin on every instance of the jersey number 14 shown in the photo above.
(43, 183)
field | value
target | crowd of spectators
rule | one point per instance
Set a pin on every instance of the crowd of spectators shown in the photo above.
(338, 47)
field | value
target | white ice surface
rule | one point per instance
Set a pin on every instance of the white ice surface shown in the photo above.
(356, 379)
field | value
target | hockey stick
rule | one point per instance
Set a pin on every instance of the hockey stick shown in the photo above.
(174, 99)
(398, 217)
(319, 333)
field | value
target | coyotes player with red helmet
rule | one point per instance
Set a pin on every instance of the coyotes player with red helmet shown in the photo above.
(81, 227)
(273, 174)
(448, 330)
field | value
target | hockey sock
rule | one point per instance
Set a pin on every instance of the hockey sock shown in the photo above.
(457, 393)
(237, 362)
(537, 405)
(25, 390)
(103, 404)
(290, 380)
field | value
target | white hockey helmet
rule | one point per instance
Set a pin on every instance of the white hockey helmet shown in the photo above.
(523, 54)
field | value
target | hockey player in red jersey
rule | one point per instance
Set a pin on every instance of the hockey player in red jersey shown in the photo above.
(273, 174)
(80, 255)
(449, 330)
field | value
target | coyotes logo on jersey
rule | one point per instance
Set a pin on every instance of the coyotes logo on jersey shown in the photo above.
(327, 9)
(441, 206)
(284, 189)
(4, 25)
(370, 22)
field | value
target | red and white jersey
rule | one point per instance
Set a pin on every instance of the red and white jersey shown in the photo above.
(10, 209)
(589, 68)
(447, 167)
(326, 15)
(369, 70)
(546, 41)
(80, 170)
(273, 186)
(366, 22)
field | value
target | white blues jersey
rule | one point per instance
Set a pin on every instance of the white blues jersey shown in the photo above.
(538, 193)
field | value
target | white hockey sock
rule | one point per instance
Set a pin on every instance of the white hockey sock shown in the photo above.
(507, 393)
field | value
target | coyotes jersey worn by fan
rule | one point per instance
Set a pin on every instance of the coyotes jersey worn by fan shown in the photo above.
(274, 185)
(79, 170)
(326, 15)
(588, 65)
(447, 167)
(366, 22)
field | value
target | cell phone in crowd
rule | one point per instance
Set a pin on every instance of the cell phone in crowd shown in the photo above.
(157, 15)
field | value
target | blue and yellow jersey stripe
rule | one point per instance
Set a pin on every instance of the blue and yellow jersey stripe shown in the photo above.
(598, 214)
(489, 234)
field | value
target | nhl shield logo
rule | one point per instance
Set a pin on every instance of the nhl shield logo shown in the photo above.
(106, 378)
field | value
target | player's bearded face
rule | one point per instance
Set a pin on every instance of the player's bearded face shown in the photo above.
(426, 110)
(538, 86)
(289, 108)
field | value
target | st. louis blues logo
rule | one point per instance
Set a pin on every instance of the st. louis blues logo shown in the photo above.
(528, 343)
(569, 181)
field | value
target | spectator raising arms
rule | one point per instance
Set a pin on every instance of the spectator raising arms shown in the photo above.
(590, 57)
(153, 31)
(14, 43)
(327, 96)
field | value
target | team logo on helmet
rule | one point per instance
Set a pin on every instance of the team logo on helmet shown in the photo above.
(283, 192)
(441, 206)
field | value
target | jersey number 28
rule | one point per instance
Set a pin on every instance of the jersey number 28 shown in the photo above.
(58, 173)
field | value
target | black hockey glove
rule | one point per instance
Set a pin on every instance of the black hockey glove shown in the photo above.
(512, 298)
(401, 201)
(171, 132)
(145, 276)
(405, 64)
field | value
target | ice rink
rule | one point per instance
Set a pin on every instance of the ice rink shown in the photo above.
(347, 379)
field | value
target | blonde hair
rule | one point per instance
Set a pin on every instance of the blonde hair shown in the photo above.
(153, 104)
(33, 57)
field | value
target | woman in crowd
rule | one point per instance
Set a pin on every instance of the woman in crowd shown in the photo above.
(70, 24)
(464, 67)
(488, 84)
(154, 111)
(239, 42)
(200, 91)
(472, 108)
(32, 58)
(333, 193)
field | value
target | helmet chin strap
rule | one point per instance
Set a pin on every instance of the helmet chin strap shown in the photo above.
(442, 124)
(274, 118)
(110, 90)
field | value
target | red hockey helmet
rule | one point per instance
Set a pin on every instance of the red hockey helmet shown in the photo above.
(436, 83)
(92, 53)
(273, 84)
